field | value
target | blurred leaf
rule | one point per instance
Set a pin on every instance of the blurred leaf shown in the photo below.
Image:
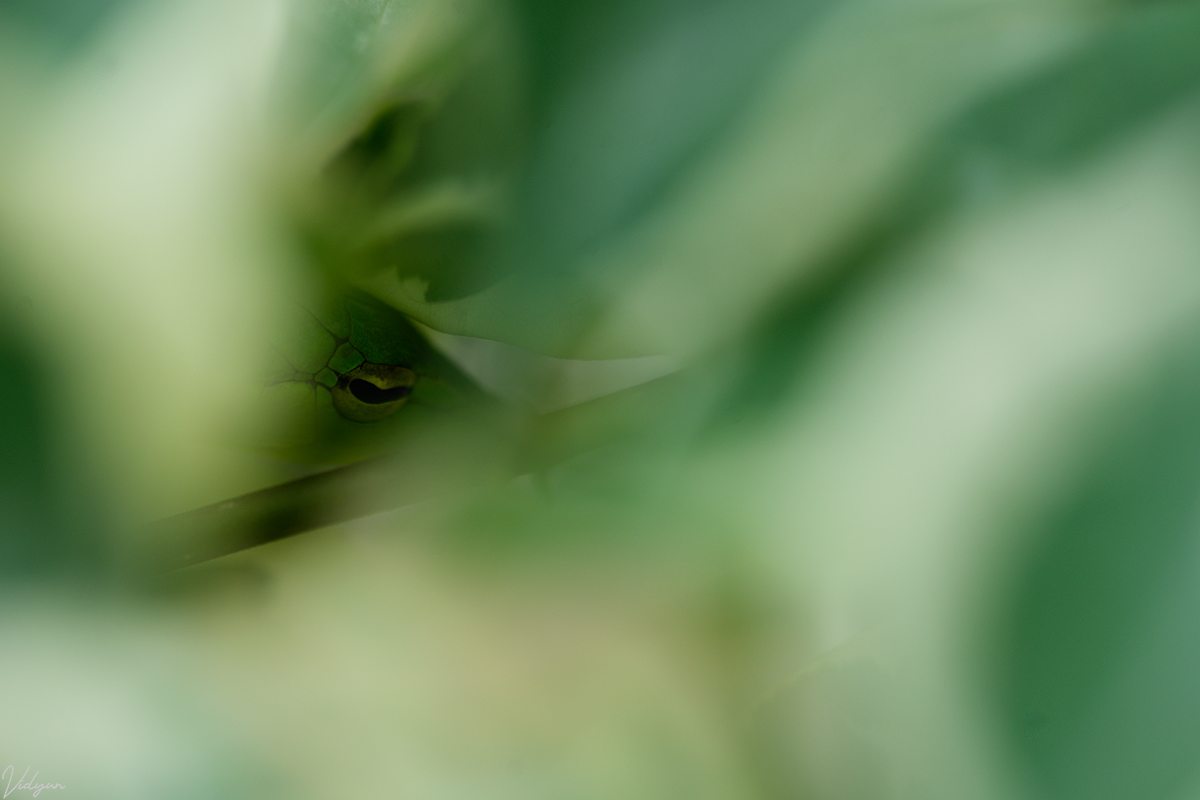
(689, 169)
(1017, 137)
(51, 521)
(628, 95)
(61, 26)
(1099, 675)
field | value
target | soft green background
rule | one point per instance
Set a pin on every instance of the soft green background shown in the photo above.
(913, 514)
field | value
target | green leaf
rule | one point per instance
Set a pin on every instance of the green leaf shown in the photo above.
(1102, 650)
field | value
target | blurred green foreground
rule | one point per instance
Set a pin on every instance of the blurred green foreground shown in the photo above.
(767, 399)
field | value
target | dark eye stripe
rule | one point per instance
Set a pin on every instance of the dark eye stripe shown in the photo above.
(368, 392)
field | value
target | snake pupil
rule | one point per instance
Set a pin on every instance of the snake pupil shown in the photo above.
(368, 392)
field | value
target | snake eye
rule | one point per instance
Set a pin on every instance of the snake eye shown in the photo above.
(371, 392)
